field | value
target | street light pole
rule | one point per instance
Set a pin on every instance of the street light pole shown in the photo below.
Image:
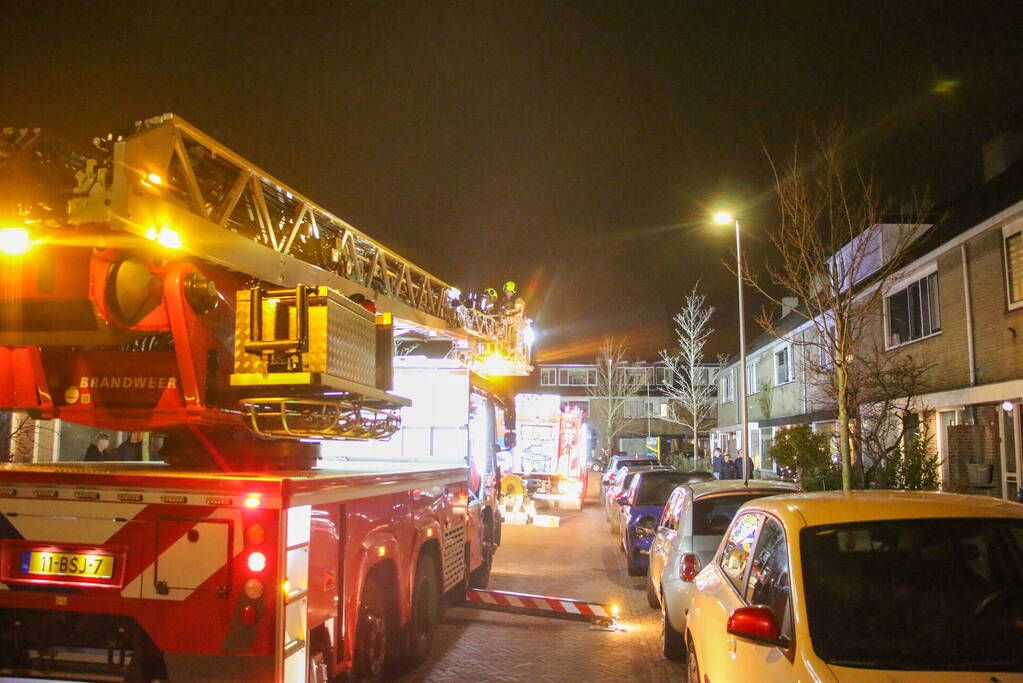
(723, 218)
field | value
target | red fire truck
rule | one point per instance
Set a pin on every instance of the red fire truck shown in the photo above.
(549, 452)
(164, 287)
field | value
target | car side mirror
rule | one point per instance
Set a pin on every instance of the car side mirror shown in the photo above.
(757, 623)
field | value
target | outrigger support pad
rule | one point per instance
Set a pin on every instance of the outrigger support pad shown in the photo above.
(599, 616)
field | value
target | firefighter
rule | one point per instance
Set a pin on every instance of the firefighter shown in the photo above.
(512, 304)
(489, 300)
(97, 451)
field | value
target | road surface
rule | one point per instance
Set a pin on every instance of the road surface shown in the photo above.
(579, 559)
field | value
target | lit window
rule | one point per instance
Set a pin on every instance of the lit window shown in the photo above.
(913, 312)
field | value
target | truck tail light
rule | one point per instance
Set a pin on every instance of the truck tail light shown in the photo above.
(253, 589)
(257, 562)
(249, 615)
(255, 534)
(688, 566)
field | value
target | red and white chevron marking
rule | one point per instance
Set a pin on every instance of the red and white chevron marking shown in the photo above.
(541, 603)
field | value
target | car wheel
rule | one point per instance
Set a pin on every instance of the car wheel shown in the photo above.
(672, 642)
(632, 564)
(651, 591)
(692, 666)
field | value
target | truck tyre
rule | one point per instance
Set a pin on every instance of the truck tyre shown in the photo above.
(373, 633)
(425, 611)
(651, 592)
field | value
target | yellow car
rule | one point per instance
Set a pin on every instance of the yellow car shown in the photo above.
(893, 586)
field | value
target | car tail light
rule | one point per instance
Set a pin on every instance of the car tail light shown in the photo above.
(688, 566)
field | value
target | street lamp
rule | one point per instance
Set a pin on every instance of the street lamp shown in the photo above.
(724, 218)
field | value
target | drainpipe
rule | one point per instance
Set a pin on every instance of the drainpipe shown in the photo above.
(970, 352)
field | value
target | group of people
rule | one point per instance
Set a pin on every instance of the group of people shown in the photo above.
(130, 449)
(490, 303)
(725, 467)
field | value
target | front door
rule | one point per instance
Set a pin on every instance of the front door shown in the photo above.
(1010, 451)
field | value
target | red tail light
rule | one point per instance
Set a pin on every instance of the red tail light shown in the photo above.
(688, 566)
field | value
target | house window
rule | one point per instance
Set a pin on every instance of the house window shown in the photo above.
(1014, 266)
(665, 376)
(913, 312)
(783, 365)
(578, 377)
(766, 444)
(636, 408)
(726, 387)
(752, 381)
(548, 377)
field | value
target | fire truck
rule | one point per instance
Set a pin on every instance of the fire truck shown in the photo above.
(161, 285)
(550, 450)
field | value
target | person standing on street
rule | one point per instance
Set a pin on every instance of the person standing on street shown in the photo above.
(717, 462)
(727, 467)
(743, 465)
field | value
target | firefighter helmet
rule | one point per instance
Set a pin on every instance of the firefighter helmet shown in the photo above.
(490, 292)
(509, 286)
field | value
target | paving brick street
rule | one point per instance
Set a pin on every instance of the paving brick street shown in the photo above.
(579, 559)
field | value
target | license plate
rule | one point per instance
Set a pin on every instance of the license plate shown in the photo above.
(46, 563)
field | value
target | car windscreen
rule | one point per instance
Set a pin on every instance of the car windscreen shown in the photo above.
(655, 489)
(925, 594)
(712, 515)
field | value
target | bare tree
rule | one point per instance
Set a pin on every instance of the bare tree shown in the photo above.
(838, 250)
(691, 381)
(615, 386)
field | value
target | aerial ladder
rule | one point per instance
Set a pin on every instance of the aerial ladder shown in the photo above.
(165, 282)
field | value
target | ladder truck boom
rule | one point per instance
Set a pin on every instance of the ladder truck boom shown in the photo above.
(165, 286)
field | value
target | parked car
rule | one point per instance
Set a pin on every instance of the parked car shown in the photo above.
(613, 497)
(689, 532)
(862, 586)
(641, 506)
(616, 463)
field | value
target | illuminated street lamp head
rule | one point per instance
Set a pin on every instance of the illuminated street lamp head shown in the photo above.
(723, 218)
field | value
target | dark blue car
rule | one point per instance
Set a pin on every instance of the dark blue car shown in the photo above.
(641, 508)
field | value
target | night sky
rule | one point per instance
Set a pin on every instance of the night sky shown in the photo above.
(573, 147)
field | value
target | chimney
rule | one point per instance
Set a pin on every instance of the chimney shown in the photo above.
(788, 304)
(1000, 152)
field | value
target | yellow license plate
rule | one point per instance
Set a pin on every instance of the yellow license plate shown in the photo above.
(68, 564)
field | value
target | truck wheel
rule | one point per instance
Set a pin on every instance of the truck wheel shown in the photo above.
(425, 611)
(480, 577)
(372, 633)
(651, 592)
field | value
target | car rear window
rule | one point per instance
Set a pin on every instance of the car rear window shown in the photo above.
(655, 489)
(712, 515)
(926, 594)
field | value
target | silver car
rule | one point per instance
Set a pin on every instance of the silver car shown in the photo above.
(695, 518)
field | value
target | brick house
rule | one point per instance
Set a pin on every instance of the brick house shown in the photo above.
(958, 305)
